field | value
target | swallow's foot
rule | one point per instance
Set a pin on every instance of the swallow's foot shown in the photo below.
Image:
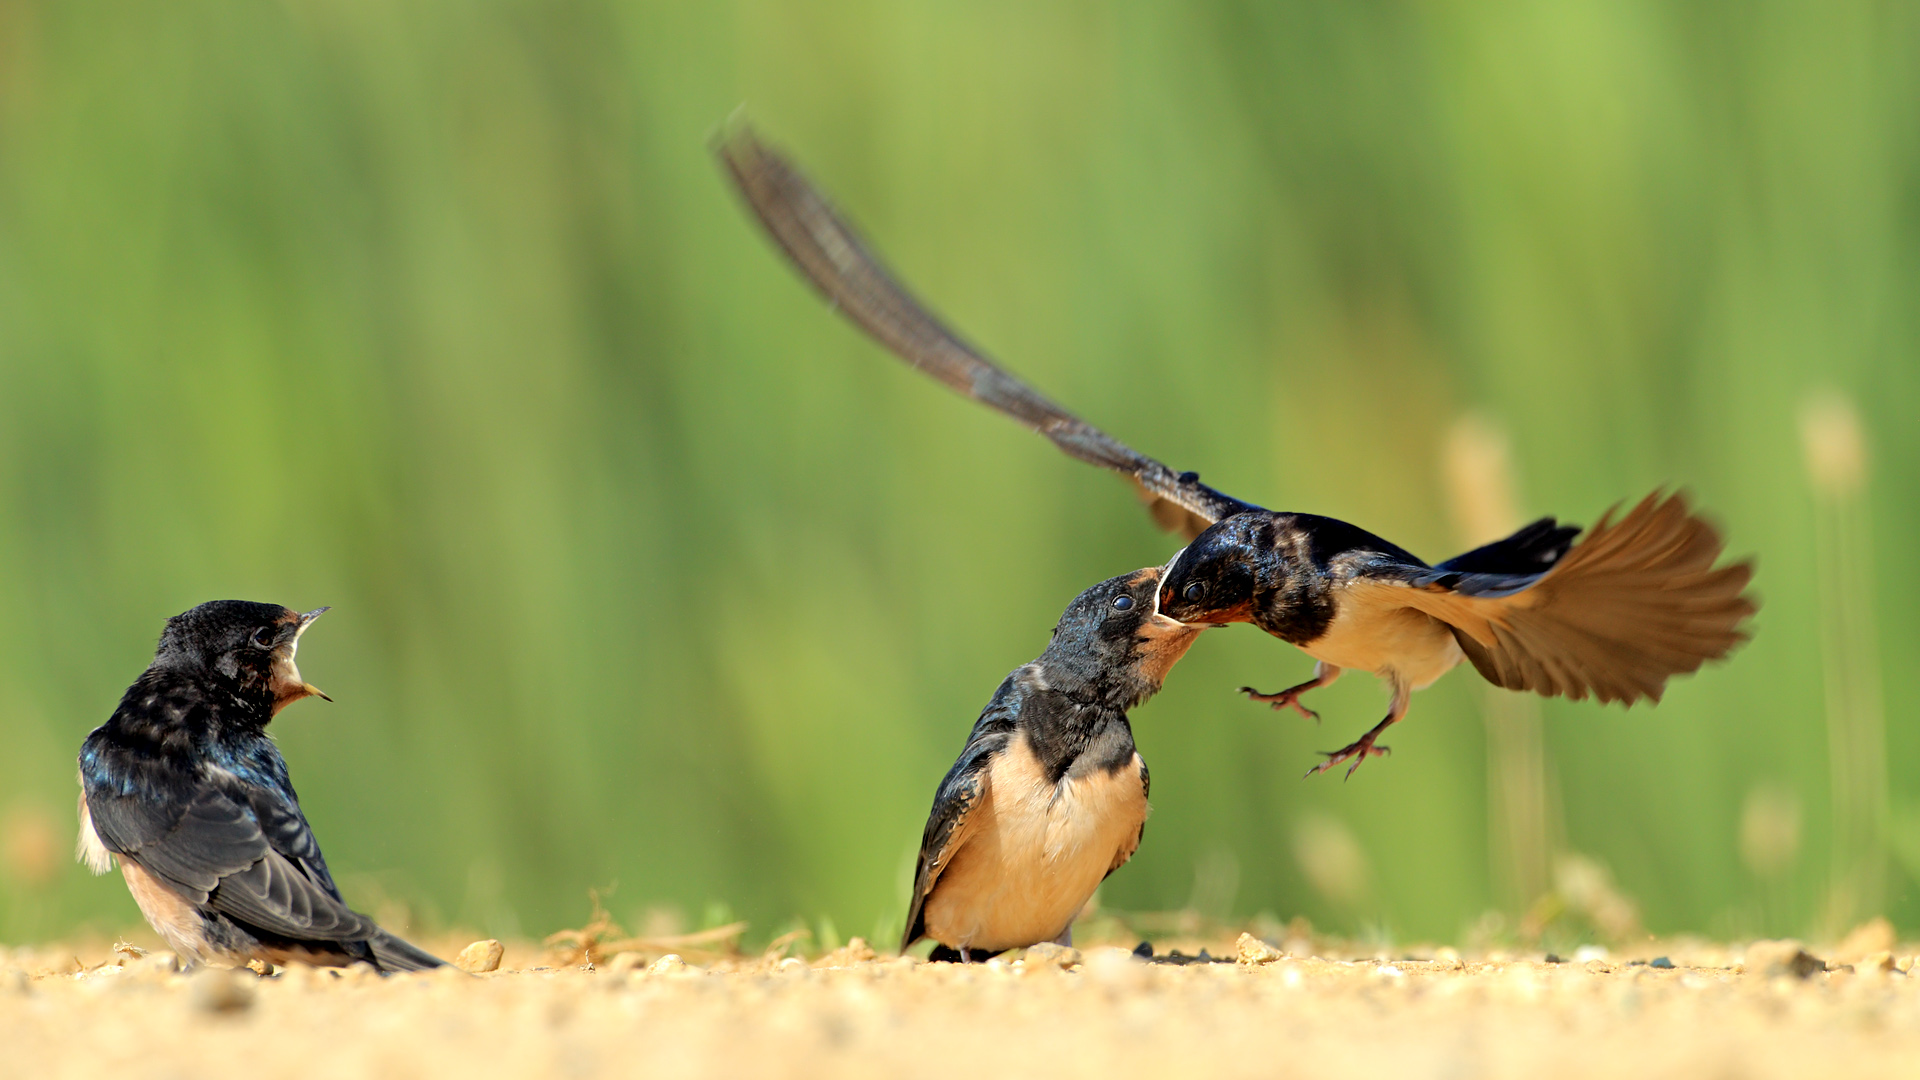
(1359, 751)
(1286, 699)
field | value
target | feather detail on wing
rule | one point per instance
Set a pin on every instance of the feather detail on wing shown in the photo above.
(825, 248)
(213, 852)
(947, 826)
(1633, 603)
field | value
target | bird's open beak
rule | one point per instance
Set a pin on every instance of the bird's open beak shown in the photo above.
(290, 686)
(1160, 626)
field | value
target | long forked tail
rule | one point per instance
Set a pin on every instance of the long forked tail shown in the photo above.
(827, 250)
(393, 954)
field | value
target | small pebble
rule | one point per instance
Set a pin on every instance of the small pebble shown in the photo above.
(1785, 957)
(481, 957)
(160, 964)
(1660, 962)
(672, 964)
(1047, 954)
(1881, 962)
(1115, 968)
(1254, 951)
(855, 951)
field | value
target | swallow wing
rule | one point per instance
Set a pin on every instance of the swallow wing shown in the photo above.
(1532, 550)
(1635, 602)
(825, 248)
(238, 852)
(960, 793)
(1121, 856)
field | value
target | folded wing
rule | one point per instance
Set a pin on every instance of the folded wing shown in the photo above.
(947, 830)
(212, 850)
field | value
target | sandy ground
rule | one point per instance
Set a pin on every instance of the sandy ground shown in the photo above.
(1754, 1011)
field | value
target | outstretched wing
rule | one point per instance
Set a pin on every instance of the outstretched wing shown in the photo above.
(1634, 603)
(1532, 550)
(827, 250)
(233, 852)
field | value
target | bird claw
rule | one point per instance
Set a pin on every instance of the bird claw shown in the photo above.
(1285, 699)
(1359, 751)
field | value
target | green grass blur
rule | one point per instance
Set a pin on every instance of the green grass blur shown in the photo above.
(648, 571)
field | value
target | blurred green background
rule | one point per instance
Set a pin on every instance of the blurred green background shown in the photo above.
(649, 572)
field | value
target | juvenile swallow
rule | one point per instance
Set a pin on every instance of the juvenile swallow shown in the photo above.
(183, 788)
(1049, 796)
(1632, 604)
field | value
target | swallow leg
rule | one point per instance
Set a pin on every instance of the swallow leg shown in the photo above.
(1065, 940)
(1363, 748)
(1323, 674)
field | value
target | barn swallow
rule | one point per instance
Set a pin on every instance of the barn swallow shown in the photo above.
(1633, 603)
(1636, 602)
(185, 790)
(1049, 796)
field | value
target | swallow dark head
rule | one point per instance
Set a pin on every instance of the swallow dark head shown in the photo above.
(1214, 579)
(1114, 637)
(246, 646)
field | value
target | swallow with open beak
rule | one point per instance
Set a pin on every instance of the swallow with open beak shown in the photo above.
(1633, 603)
(1636, 602)
(183, 788)
(1049, 796)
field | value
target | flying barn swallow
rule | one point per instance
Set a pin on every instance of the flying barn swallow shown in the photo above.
(1049, 796)
(185, 790)
(1635, 602)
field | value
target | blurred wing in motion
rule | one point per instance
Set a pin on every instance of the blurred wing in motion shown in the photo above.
(1633, 603)
(833, 257)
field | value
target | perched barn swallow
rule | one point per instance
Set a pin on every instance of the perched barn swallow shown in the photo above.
(185, 790)
(1049, 796)
(1635, 602)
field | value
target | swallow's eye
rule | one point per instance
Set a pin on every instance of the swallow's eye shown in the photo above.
(1193, 592)
(1123, 603)
(263, 638)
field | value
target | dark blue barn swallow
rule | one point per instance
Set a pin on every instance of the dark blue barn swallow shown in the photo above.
(1049, 796)
(1614, 616)
(185, 790)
